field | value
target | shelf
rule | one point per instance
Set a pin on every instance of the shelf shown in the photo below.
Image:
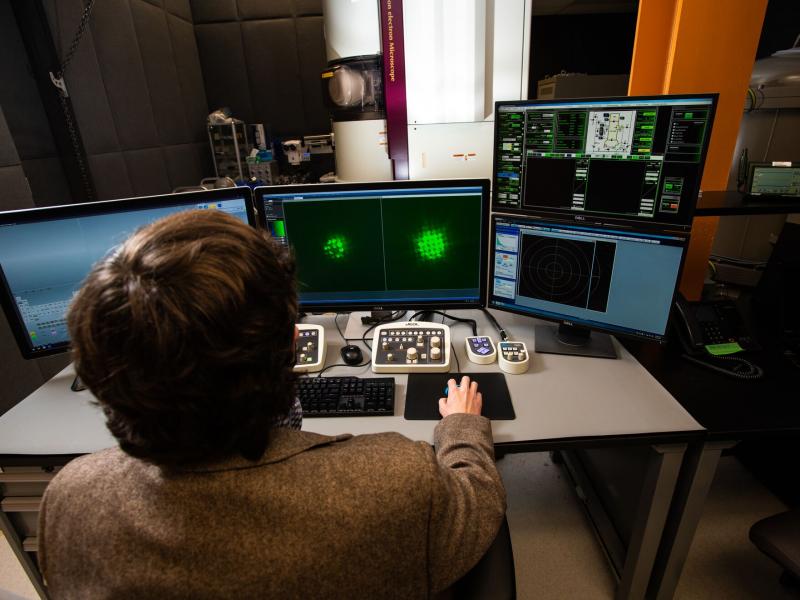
(734, 203)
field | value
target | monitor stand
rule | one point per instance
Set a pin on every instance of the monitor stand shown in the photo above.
(77, 385)
(356, 325)
(572, 340)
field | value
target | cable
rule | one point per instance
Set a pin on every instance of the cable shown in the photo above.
(490, 316)
(364, 364)
(392, 317)
(736, 370)
(471, 322)
(458, 364)
(339, 329)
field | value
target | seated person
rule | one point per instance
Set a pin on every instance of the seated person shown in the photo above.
(185, 335)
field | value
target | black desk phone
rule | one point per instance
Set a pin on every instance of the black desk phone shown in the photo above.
(711, 333)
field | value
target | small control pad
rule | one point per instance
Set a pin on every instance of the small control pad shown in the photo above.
(480, 349)
(513, 357)
(310, 348)
(414, 346)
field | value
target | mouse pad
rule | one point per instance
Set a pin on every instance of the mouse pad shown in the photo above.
(425, 389)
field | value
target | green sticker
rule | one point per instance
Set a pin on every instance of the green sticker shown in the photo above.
(723, 349)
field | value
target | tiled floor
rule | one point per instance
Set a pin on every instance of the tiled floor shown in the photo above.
(558, 557)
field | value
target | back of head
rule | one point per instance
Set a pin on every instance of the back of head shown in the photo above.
(185, 334)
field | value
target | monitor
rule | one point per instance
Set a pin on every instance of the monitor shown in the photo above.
(46, 253)
(631, 160)
(774, 179)
(383, 245)
(585, 278)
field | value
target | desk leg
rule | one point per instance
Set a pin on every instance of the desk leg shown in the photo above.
(695, 479)
(651, 513)
(25, 559)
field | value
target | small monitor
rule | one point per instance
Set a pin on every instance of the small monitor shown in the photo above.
(383, 245)
(774, 179)
(46, 253)
(631, 159)
(585, 278)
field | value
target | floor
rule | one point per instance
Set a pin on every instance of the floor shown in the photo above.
(557, 555)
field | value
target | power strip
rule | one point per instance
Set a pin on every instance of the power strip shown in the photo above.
(411, 347)
(310, 348)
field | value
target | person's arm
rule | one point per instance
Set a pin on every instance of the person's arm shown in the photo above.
(468, 500)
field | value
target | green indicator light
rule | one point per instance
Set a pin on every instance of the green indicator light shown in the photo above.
(647, 126)
(688, 115)
(430, 245)
(335, 247)
(646, 139)
(649, 114)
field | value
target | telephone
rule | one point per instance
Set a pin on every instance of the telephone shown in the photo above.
(711, 333)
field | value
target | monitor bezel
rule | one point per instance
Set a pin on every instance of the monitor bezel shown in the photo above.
(483, 184)
(595, 218)
(571, 321)
(86, 209)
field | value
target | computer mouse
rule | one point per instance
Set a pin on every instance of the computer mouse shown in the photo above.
(352, 355)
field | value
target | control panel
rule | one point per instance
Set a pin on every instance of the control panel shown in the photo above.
(480, 349)
(513, 357)
(310, 348)
(411, 347)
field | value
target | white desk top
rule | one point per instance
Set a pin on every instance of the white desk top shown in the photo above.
(559, 397)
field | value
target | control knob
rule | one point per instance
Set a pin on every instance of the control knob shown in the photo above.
(411, 354)
(436, 353)
(436, 341)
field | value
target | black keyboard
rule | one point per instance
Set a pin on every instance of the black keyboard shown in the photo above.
(346, 396)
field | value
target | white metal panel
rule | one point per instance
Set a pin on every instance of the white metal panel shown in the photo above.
(352, 28)
(447, 150)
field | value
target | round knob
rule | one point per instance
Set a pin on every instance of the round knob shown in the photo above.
(411, 354)
(436, 341)
(385, 346)
(390, 357)
(436, 353)
(420, 339)
(310, 345)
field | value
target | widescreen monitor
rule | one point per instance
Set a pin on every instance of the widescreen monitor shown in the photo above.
(383, 245)
(46, 253)
(632, 159)
(585, 278)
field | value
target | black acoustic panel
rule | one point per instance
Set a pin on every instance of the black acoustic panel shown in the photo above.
(47, 181)
(16, 192)
(155, 47)
(117, 50)
(311, 49)
(147, 171)
(273, 69)
(222, 61)
(8, 151)
(85, 82)
(19, 94)
(179, 8)
(307, 7)
(425, 389)
(190, 79)
(110, 175)
(213, 11)
(259, 9)
(187, 164)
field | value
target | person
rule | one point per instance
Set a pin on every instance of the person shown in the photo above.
(185, 336)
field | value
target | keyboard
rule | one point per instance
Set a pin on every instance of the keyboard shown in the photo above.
(346, 396)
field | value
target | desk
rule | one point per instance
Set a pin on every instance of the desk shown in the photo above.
(562, 401)
(731, 410)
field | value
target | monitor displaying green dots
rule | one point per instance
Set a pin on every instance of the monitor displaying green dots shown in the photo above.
(388, 246)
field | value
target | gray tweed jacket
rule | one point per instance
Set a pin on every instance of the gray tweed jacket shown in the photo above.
(372, 516)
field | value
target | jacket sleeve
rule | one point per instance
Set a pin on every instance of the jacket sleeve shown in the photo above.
(468, 500)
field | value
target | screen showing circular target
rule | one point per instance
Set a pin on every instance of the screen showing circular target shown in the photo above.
(571, 272)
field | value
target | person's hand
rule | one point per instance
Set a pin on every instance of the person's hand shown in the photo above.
(463, 398)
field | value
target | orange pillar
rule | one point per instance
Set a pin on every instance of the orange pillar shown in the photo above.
(696, 46)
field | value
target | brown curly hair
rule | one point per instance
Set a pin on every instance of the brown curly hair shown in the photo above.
(185, 336)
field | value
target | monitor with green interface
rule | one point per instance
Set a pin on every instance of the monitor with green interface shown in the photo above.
(371, 246)
(634, 161)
